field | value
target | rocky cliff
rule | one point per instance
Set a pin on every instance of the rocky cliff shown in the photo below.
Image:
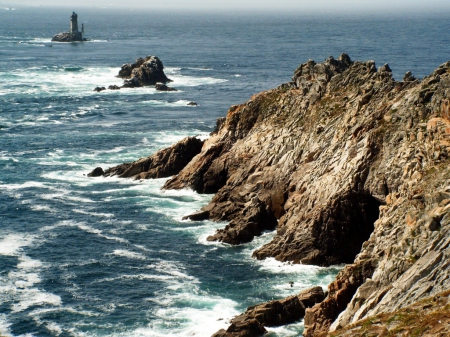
(350, 166)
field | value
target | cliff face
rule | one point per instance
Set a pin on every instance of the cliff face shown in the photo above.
(351, 163)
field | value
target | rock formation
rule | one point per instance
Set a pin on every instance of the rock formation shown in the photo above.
(273, 313)
(354, 167)
(164, 163)
(73, 35)
(143, 72)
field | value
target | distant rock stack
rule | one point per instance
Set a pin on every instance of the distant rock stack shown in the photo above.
(74, 34)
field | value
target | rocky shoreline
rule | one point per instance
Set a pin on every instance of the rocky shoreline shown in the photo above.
(350, 166)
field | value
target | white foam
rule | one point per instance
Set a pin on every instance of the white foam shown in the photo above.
(11, 244)
(289, 330)
(28, 263)
(178, 103)
(128, 254)
(191, 81)
(5, 326)
(28, 184)
(29, 297)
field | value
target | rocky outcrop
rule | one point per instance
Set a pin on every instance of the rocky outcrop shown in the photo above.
(354, 166)
(273, 313)
(97, 172)
(254, 219)
(68, 37)
(163, 87)
(164, 163)
(143, 72)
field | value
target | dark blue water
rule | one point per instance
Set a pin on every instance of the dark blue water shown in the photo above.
(111, 257)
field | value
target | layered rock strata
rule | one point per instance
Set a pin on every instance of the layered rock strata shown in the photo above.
(164, 163)
(273, 313)
(350, 163)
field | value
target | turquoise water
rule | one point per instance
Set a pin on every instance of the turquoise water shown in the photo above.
(112, 257)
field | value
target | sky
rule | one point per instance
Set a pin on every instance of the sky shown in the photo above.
(383, 6)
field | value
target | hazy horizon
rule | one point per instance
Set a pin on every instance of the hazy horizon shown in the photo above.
(319, 6)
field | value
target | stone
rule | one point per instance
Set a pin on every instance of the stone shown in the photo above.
(164, 163)
(97, 172)
(273, 313)
(408, 77)
(144, 72)
(192, 103)
(98, 89)
(163, 87)
(114, 87)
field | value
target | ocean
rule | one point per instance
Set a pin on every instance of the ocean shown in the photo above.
(95, 257)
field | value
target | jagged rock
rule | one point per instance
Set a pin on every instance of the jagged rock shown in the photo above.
(163, 87)
(192, 104)
(67, 37)
(351, 163)
(273, 313)
(256, 217)
(143, 72)
(408, 77)
(163, 163)
(97, 172)
(98, 89)
(114, 87)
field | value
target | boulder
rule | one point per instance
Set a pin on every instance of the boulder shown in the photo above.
(163, 87)
(192, 104)
(114, 87)
(98, 89)
(97, 172)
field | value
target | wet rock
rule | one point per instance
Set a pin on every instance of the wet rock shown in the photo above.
(192, 104)
(97, 172)
(163, 87)
(114, 87)
(273, 313)
(98, 89)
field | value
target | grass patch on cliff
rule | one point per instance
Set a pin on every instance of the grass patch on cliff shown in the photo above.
(430, 317)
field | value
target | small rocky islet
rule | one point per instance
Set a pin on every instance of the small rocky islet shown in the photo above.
(350, 167)
(148, 71)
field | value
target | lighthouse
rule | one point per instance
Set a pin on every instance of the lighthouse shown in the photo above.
(74, 23)
(73, 34)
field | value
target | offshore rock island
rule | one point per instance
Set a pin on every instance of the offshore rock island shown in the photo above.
(73, 35)
(349, 166)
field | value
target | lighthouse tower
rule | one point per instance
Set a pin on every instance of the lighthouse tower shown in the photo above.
(74, 33)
